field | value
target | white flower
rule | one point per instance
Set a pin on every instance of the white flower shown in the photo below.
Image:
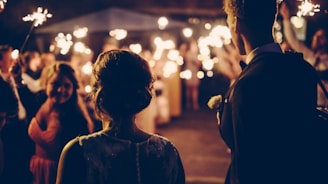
(214, 102)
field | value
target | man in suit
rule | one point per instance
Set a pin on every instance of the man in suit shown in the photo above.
(267, 112)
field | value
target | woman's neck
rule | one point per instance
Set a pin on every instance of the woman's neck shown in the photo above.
(126, 129)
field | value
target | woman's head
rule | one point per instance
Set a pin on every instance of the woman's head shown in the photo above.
(32, 60)
(6, 59)
(320, 41)
(122, 83)
(59, 82)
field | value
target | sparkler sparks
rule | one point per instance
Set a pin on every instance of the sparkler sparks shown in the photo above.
(38, 17)
(2, 5)
(307, 8)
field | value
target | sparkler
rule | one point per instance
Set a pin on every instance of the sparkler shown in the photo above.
(307, 8)
(38, 17)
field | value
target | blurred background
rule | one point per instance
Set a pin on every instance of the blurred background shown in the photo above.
(190, 13)
(158, 30)
(77, 31)
(170, 35)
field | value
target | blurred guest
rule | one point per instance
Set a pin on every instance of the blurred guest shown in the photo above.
(47, 58)
(121, 152)
(229, 63)
(18, 148)
(32, 70)
(192, 64)
(61, 118)
(316, 54)
(8, 108)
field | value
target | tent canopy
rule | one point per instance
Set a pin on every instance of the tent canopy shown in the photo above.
(108, 19)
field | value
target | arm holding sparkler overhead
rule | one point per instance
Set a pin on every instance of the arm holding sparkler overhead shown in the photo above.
(316, 55)
(290, 35)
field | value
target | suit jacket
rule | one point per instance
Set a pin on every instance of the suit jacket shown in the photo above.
(265, 119)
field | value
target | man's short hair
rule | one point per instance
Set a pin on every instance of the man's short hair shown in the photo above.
(253, 12)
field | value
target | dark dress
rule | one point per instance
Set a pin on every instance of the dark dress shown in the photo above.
(266, 119)
(100, 159)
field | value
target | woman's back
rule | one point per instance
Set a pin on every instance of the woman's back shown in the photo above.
(108, 159)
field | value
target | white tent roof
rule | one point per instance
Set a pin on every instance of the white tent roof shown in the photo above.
(108, 19)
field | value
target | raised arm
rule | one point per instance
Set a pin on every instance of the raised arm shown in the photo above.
(291, 38)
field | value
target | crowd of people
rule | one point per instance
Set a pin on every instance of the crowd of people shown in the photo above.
(48, 134)
(43, 109)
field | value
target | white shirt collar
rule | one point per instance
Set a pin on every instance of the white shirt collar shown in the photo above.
(271, 47)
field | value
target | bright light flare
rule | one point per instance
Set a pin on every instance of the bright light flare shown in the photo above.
(208, 64)
(87, 68)
(173, 55)
(162, 22)
(15, 54)
(118, 34)
(2, 5)
(79, 47)
(186, 74)
(136, 48)
(207, 26)
(169, 69)
(63, 42)
(187, 32)
(209, 73)
(200, 75)
(307, 8)
(38, 17)
(80, 32)
(298, 22)
(87, 88)
(221, 32)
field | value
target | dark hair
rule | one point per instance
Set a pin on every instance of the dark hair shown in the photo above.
(4, 48)
(258, 13)
(61, 68)
(122, 83)
(28, 56)
(8, 99)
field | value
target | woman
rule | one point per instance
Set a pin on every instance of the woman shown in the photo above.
(121, 152)
(61, 118)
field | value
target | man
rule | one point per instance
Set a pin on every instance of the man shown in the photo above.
(268, 110)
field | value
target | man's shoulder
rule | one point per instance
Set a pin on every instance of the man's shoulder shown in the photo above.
(283, 60)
